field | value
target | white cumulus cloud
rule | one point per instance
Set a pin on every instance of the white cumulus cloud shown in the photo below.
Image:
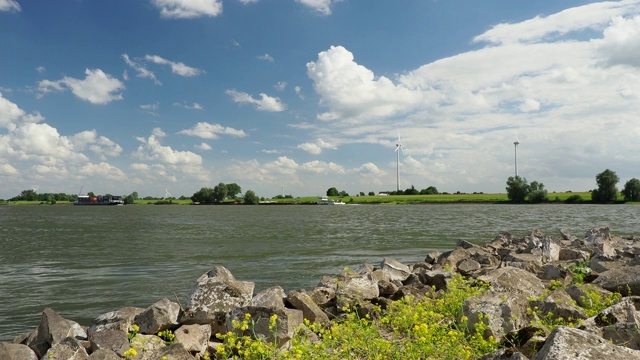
(265, 103)
(97, 87)
(9, 5)
(316, 147)
(185, 9)
(176, 67)
(321, 6)
(152, 149)
(211, 131)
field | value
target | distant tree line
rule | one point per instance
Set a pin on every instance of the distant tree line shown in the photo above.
(519, 191)
(431, 190)
(221, 192)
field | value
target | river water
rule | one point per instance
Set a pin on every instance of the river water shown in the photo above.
(85, 261)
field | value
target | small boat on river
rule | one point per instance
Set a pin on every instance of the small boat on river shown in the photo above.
(326, 201)
(99, 200)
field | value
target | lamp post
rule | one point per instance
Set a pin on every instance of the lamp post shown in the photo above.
(515, 144)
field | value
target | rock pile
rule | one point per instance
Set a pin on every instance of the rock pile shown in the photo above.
(529, 278)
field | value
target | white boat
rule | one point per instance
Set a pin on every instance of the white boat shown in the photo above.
(326, 201)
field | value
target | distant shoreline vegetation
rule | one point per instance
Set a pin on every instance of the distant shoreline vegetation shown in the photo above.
(518, 191)
(442, 198)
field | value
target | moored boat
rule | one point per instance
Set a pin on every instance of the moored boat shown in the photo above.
(98, 200)
(326, 201)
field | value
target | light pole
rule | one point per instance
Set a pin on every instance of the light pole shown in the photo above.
(515, 144)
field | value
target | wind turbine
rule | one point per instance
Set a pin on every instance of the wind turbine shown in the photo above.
(515, 144)
(167, 194)
(397, 151)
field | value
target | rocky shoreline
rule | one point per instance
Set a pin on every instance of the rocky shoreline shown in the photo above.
(533, 280)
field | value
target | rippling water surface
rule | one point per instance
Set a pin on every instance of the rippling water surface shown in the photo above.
(85, 261)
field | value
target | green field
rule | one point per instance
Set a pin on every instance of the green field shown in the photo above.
(426, 199)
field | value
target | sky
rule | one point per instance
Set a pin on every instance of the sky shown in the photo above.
(164, 97)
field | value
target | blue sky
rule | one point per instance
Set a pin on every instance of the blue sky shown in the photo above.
(303, 95)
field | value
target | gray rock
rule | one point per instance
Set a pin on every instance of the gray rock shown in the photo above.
(623, 334)
(355, 290)
(104, 354)
(579, 293)
(115, 340)
(323, 296)
(513, 280)
(566, 343)
(53, 327)
(624, 280)
(217, 292)
(435, 278)
(529, 262)
(501, 312)
(597, 234)
(272, 297)
(67, 349)
(550, 250)
(16, 352)
(387, 288)
(171, 352)
(146, 344)
(601, 263)
(560, 305)
(467, 267)
(394, 269)
(160, 316)
(194, 338)
(287, 321)
(120, 319)
(310, 310)
(432, 257)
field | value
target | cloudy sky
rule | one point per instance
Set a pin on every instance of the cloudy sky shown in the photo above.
(303, 95)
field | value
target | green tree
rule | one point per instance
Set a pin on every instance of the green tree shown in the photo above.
(411, 191)
(431, 190)
(135, 195)
(28, 195)
(203, 196)
(517, 189)
(343, 193)
(233, 189)
(250, 197)
(371, 193)
(128, 200)
(606, 191)
(332, 192)
(219, 193)
(537, 193)
(631, 190)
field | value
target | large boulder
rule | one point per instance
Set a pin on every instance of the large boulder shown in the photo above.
(67, 349)
(623, 280)
(501, 312)
(120, 319)
(163, 315)
(194, 338)
(559, 305)
(515, 281)
(114, 340)
(216, 292)
(52, 329)
(16, 352)
(565, 343)
(270, 325)
(354, 288)
(394, 269)
(272, 297)
(310, 310)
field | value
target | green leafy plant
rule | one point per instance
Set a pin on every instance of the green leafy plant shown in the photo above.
(167, 336)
